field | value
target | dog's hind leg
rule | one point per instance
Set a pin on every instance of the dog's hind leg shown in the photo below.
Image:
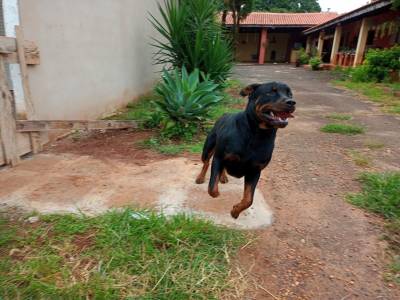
(208, 151)
(223, 178)
(250, 183)
(216, 171)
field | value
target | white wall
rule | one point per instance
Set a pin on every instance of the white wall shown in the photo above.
(95, 54)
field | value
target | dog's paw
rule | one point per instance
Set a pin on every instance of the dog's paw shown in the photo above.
(224, 179)
(200, 180)
(213, 194)
(235, 213)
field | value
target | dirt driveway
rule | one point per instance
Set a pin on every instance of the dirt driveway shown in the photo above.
(318, 247)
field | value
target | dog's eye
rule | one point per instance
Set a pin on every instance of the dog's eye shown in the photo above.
(274, 89)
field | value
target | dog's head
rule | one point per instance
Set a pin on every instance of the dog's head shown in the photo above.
(270, 103)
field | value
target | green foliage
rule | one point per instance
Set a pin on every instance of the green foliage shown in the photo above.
(315, 63)
(338, 116)
(288, 5)
(192, 37)
(120, 255)
(396, 4)
(343, 129)
(304, 58)
(380, 194)
(186, 101)
(378, 63)
(382, 93)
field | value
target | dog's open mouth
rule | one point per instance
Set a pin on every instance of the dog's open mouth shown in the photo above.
(278, 119)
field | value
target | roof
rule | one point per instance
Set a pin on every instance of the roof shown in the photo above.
(360, 12)
(267, 19)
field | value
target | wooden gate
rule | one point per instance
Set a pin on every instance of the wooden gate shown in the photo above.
(21, 136)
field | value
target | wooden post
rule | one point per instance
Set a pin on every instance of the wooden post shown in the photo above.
(336, 44)
(8, 132)
(362, 42)
(263, 46)
(309, 44)
(30, 111)
(320, 43)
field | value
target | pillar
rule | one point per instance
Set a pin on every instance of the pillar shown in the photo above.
(362, 42)
(320, 43)
(336, 44)
(263, 46)
(309, 44)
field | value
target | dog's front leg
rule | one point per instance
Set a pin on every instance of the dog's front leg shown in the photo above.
(250, 183)
(216, 170)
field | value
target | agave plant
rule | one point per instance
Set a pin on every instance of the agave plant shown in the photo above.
(192, 37)
(187, 97)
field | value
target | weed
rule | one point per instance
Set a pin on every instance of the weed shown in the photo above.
(380, 194)
(117, 256)
(339, 116)
(343, 129)
(373, 145)
(382, 93)
(359, 159)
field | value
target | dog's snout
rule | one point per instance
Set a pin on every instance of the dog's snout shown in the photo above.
(291, 102)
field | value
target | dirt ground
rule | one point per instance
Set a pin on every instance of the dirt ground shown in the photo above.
(318, 246)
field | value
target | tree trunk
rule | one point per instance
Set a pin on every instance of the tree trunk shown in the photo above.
(224, 15)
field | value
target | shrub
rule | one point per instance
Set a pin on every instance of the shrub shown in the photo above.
(378, 64)
(303, 57)
(192, 37)
(186, 100)
(315, 62)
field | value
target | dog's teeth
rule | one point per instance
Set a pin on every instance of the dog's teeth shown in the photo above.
(272, 114)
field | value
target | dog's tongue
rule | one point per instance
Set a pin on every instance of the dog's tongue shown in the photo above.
(284, 115)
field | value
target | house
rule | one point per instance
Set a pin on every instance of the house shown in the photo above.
(271, 37)
(345, 39)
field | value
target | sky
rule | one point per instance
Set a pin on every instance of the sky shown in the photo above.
(341, 6)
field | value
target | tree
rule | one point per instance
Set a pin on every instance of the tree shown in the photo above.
(288, 5)
(396, 4)
(239, 10)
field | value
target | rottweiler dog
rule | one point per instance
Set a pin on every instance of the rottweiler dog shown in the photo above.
(241, 144)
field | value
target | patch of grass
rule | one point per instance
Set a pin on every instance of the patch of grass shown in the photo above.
(172, 148)
(343, 129)
(381, 195)
(117, 255)
(338, 116)
(374, 145)
(359, 158)
(382, 93)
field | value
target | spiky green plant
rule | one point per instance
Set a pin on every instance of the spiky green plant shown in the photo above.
(191, 36)
(187, 97)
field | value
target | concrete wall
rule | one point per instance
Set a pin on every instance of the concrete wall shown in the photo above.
(95, 54)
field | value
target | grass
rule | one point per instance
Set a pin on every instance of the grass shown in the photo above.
(340, 117)
(359, 158)
(381, 195)
(374, 145)
(382, 93)
(345, 129)
(118, 255)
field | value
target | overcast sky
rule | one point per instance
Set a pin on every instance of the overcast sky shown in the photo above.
(341, 6)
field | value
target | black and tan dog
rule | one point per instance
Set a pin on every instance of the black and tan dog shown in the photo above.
(242, 143)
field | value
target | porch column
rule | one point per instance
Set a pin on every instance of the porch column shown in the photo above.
(362, 42)
(320, 43)
(309, 44)
(263, 46)
(336, 44)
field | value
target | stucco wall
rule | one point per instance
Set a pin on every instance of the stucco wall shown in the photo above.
(95, 54)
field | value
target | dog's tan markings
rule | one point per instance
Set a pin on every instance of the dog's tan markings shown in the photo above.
(246, 202)
(206, 163)
(223, 179)
(232, 157)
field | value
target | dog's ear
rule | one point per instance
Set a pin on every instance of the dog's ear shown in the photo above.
(249, 89)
